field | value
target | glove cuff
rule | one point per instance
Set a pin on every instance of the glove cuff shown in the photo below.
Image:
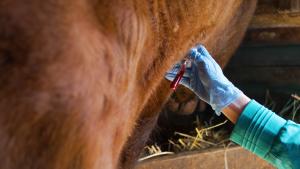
(230, 95)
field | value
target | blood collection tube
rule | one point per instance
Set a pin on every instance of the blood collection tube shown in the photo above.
(179, 76)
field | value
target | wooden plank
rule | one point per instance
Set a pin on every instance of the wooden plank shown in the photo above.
(292, 5)
(284, 4)
(267, 55)
(265, 75)
(281, 33)
(275, 65)
(256, 69)
(233, 158)
(275, 21)
(295, 6)
(269, 15)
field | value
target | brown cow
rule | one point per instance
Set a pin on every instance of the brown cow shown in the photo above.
(76, 75)
(222, 40)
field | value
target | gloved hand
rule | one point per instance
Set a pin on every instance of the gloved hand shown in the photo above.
(206, 79)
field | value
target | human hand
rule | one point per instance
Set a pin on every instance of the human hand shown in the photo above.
(206, 79)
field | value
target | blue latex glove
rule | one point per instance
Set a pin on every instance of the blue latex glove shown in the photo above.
(206, 79)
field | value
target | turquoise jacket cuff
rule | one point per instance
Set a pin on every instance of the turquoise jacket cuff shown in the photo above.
(257, 128)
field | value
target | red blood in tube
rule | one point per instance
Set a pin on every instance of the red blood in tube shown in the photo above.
(178, 77)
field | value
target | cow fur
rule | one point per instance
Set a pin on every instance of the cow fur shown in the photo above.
(75, 76)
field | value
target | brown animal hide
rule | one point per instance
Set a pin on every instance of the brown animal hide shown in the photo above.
(76, 75)
(222, 41)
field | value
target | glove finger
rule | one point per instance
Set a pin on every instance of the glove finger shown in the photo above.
(203, 51)
(188, 76)
(203, 58)
(208, 59)
(175, 68)
(185, 81)
(195, 55)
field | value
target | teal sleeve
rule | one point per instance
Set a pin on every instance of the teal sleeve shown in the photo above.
(269, 136)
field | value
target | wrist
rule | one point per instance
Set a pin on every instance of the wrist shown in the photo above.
(234, 110)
